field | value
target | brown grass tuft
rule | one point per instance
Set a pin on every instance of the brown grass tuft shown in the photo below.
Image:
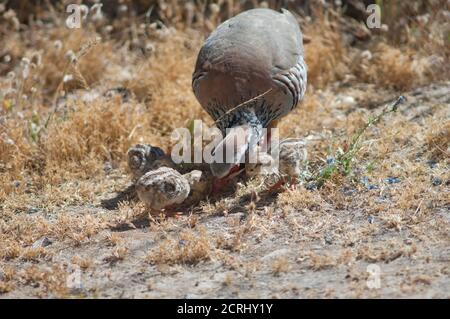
(438, 140)
(190, 248)
(280, 265)
(331, 63)
(392, 67)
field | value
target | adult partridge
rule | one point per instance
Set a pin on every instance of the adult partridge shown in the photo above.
(249, 73)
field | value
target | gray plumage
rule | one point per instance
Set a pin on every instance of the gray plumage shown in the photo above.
(256, 53)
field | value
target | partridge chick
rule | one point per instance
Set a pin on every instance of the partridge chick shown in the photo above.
(201, 183)
(144, 157)
(290, 166)
(293, 158)
(162, 188)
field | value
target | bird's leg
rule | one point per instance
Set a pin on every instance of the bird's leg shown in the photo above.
(171, 211)
(293, 182)
(170, 208)
(285, 183)
(218, 184)
(277, 186)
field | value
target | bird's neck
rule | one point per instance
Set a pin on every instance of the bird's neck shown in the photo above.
(241, 117)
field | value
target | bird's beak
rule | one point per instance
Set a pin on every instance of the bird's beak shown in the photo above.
(220, 183)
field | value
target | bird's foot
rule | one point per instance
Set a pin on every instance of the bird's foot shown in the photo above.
(293, 184)
(218, 185)
(283, 184)
(277, 187)
(168, 211)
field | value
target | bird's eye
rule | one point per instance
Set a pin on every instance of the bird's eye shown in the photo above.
(169, 188)
(135, 161)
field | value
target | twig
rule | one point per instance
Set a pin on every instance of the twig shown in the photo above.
(242, 104)
(418, 207)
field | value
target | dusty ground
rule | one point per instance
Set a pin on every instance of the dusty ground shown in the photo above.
(318, 246)
(62, 153)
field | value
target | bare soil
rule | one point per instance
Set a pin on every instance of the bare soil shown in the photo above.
(316, 247)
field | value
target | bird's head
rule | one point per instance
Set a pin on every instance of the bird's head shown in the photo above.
(230, 153)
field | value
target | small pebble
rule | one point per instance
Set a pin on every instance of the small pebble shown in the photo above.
(33, 210)
(371, 219)
(365, 182)
(366, 55)
(311, 186)
(328, 239)
(392, 180)
(330, 160)
(349, 100)
(436, 181)
(432, 164)
(43, 242)
(408, 241)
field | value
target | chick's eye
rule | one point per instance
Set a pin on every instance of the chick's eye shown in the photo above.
(135, 160)
(169, 188)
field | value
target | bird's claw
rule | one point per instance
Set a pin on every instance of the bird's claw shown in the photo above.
(283, 184)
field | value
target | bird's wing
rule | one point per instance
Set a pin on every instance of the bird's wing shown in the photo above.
(246, 56)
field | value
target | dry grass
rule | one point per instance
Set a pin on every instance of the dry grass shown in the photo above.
(63, 146)
(392, 67)
(190, 248)
(324, 36)
(281, 265)
(438, 140)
